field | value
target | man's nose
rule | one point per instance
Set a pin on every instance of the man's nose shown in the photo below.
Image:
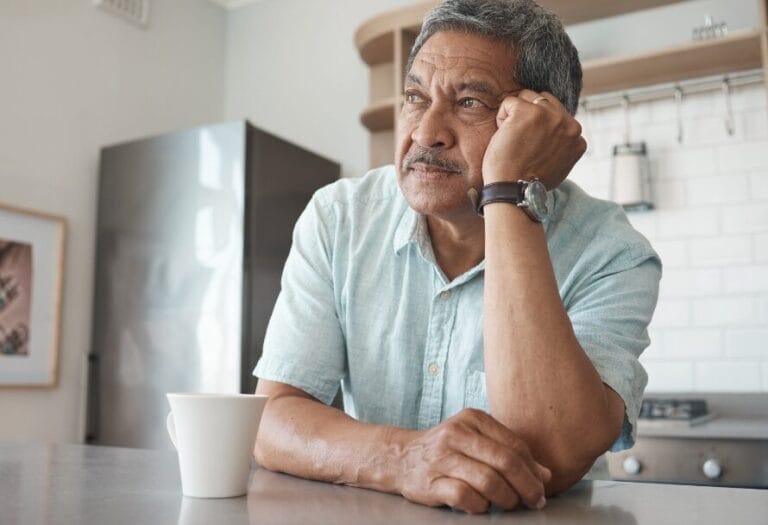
(433, 130)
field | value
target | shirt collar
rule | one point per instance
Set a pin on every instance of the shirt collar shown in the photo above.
(407, 230)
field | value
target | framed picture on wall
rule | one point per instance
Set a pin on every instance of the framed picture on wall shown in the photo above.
(31, 273)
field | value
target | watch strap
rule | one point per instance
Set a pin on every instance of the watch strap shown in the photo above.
(510, 192)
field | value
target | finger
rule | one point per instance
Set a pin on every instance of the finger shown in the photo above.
(545, 475)
(519, 473)
(485, 480)
(489, 426)
(522, 103)
(459, 495)
(544, 99)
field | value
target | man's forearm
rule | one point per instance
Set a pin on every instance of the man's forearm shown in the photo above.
(305, 438)
(540, 382)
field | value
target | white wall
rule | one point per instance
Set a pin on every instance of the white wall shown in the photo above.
(73, 79)
(293, 70)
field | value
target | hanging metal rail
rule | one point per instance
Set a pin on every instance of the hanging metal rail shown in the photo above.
(673, 90)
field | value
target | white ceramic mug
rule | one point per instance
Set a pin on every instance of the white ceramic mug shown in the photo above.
(214, 435)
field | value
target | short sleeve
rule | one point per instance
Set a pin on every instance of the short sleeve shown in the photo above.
(610, 314)
(304, 344)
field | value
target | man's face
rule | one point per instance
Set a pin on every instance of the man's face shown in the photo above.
(452, 94)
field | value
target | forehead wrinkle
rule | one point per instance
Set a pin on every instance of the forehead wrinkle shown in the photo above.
(477, 86)
(454, 64)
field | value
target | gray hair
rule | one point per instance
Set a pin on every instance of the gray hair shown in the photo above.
(546, 59)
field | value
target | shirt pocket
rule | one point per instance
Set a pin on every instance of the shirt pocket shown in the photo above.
(476, 395)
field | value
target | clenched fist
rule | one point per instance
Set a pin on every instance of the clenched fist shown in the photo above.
(536, 138)
(469, 462)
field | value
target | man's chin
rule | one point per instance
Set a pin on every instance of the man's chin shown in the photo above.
(437, 205)
(434, 192)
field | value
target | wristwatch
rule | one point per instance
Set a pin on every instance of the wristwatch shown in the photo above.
(531, 196)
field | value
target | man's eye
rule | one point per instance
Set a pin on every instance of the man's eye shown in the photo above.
(413, 98)
(469, 102)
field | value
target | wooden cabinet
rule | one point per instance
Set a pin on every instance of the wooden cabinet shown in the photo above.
(385, 40)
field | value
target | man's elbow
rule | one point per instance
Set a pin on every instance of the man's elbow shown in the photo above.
(576, 458)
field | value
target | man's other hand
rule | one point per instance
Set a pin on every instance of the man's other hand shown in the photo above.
(469, 462)
(536, 137)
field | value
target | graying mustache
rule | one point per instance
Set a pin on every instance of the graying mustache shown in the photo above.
(430, 159)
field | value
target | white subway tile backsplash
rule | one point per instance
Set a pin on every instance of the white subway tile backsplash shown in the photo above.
(686, 282)
(747, 98)
(672, 313)
(708, 130)
(660, 137)
(654, 350)
(710, 228)
(753, 125)
(747, 342)
(693, 343)
(591, 173)
(727, 375)
(674, 254)
(745, 218)
(685, 162)
(679, 224)
(669, 193)
(644, 222)
(726, 311)
(760, 243)
(758, 185)
(746, 279)
(668, 376)
(721, 251)
(723, 189)
(742, 156)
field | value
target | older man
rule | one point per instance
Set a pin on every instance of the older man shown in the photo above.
(484, 331)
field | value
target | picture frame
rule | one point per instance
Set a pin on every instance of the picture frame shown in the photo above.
(32, 248)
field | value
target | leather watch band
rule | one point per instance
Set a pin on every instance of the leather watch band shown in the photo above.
(511, 192)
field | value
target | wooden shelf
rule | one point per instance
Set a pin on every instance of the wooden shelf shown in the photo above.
(735, 52)
(379, 116)
(374, 39)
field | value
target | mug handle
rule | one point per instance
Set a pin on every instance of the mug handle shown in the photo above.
(170, 424)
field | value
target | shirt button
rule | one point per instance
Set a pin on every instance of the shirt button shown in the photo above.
(434, 369)
(445, 295)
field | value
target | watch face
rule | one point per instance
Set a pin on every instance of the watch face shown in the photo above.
(536, 195)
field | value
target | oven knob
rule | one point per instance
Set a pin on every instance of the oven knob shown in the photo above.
(631, 465)
(712, 469)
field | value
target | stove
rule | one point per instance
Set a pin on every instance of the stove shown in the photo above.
(706, 439)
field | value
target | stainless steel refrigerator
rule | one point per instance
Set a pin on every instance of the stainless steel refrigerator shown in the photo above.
(193, 230)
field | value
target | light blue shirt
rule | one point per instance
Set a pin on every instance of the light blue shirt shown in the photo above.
(365, 306)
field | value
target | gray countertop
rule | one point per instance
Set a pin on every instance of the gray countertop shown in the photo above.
(42, 483)
(717, 428)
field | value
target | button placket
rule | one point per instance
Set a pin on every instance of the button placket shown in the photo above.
(433, 383)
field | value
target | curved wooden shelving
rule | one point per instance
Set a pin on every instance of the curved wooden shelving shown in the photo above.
(738, 51)
(379, 116)
(375, 38)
